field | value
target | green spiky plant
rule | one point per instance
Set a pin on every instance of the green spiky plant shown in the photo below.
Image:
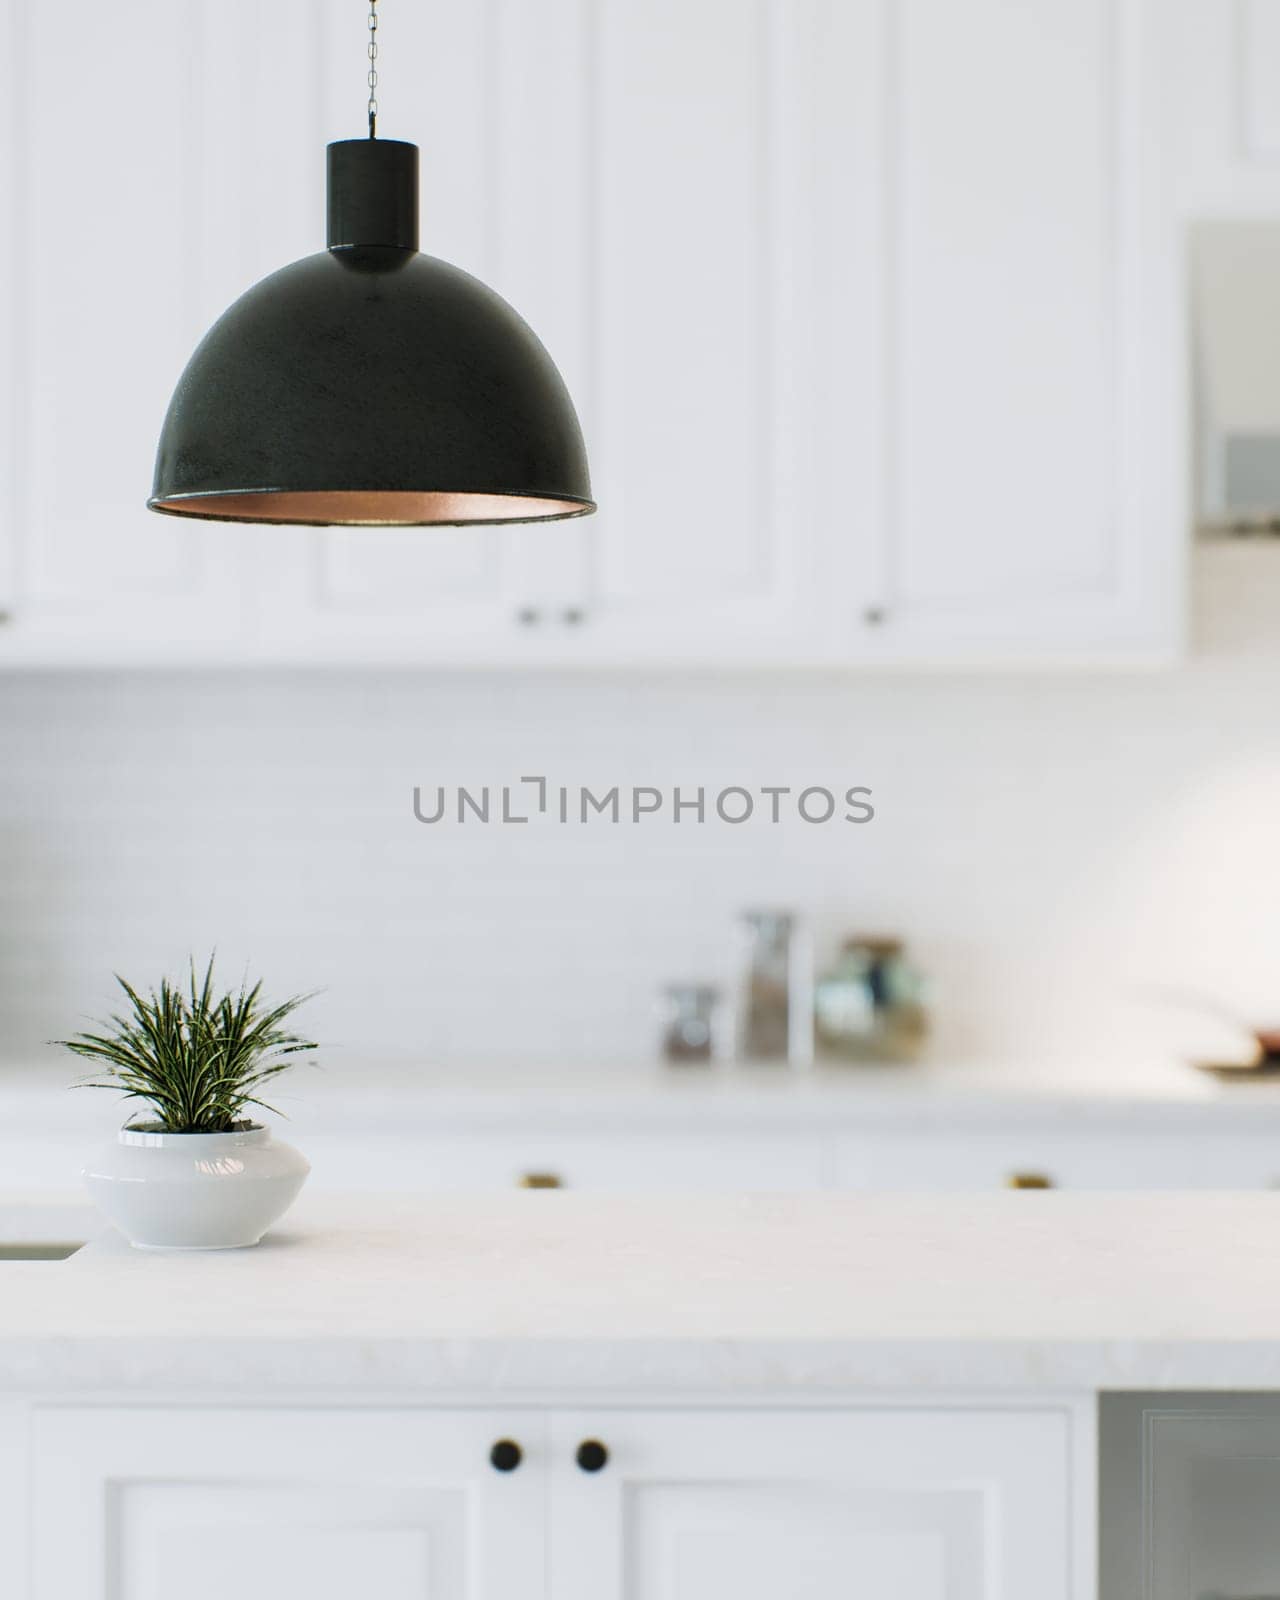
(197, 1059)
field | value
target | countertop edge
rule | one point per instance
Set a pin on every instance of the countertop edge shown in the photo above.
(459, 1370)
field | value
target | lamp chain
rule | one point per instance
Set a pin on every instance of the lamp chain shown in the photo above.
(373, 69)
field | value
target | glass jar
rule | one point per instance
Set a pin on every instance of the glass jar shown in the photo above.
(689, 1022)
(871, 1005)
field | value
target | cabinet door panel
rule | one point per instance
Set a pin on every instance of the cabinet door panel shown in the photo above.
(701, 152)
(148, 1504)
(1258, 65)
(802, 1541)
(814, 1505)
(1006, 373)
(684, 407)
(1027, 324)
(104, 268)
(325, 1544)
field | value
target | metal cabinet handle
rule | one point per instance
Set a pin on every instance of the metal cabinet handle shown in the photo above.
(1029, 1180)
(532, 616)
(506, 1455)
(541, 1180)
(592, 1455)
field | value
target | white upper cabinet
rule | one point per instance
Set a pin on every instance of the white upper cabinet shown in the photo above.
(644, 217)
(1223, 66)
(699, 401)
(456, 81)
(106, 210)
(1013, 408)
(871, 309)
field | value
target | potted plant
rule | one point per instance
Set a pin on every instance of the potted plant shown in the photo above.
(199, 1173)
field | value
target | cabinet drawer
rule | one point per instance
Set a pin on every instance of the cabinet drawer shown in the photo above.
(605, 1162)
(1087, 1159)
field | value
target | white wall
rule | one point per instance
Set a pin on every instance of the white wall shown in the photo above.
(1053, 846)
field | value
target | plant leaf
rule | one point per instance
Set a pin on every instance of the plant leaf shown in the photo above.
(195, 1056)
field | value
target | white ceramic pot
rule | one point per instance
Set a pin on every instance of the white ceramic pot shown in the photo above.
(195, 1191)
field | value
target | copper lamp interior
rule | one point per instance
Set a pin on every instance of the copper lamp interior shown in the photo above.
(370, 508)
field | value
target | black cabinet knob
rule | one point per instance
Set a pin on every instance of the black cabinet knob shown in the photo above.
(506, 1455)
(592, 1455)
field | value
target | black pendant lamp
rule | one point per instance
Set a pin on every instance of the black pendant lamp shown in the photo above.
(369, 385)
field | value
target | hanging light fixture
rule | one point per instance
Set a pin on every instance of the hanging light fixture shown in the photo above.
(370, 385)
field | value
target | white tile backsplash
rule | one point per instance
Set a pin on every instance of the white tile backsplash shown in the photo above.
(1053, 846)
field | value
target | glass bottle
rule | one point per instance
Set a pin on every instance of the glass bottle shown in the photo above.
(871, 1005)
(766, 1013)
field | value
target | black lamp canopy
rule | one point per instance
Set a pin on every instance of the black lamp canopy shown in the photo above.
(371, 386)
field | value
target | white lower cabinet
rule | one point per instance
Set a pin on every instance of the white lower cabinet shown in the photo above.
(1082, 1159)
(814, 1505)
(318, 1504)
(328, 1503)
(601, 1161)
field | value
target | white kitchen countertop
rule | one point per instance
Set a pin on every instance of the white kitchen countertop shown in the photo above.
(528, 1294)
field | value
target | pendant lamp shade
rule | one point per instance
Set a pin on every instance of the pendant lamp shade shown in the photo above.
(370, 385)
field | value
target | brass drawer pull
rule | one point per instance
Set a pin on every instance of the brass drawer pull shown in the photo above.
(1029, 1180)
(541, 1180)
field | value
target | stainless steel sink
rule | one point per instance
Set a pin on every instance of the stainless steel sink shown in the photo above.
(41, 1251)
(44, 1228)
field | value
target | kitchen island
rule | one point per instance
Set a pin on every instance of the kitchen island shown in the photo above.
(585, 1397)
